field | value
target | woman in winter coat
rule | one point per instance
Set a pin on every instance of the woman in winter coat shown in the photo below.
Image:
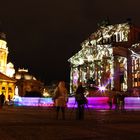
(60, 99)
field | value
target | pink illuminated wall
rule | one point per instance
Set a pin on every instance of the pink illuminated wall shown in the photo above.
(93, 102)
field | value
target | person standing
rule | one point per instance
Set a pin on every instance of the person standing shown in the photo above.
(116, 100)
(2, 100)
(60, 99)
(122, 101)
(81, 101)
(110, 101)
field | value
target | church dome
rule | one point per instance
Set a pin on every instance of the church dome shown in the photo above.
(10, 65)
(23, 74)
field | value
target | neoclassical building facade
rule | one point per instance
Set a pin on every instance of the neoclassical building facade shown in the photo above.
(11, 82)
(110, 57)
(7, 83)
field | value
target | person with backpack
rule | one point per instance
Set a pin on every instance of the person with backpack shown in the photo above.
(81, 101)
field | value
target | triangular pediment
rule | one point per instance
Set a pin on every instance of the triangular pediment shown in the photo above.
(4, 77)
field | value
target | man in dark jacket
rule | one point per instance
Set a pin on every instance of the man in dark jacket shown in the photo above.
(81, 101)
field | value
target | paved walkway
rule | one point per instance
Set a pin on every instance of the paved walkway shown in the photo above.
(36, 123)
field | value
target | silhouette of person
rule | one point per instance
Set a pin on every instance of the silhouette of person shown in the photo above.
(60, 99)
(121, 101)
(110, 101)
(81, 101)
(116, 100)
(2, 99)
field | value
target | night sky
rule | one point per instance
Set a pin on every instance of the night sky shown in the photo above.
(42, 35)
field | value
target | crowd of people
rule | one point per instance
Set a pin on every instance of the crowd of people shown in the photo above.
(60, 99)
(117, 99)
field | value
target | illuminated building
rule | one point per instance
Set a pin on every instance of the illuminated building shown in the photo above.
(110, 57)
(26, 82)
(11, 83)
(7, 83)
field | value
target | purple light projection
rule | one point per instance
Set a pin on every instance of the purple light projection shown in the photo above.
(132, 103)
(28, 101)
(93, 102)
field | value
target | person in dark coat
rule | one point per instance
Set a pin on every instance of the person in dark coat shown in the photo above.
(122, 101)
(110, 101)
(116, 100)
(2, 100)
(81, 101)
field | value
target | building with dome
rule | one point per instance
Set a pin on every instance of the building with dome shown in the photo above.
(7, 82)
(109, 57)
(27, 82)
(11, 82)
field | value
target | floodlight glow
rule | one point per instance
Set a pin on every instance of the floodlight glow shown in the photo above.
(102, 88)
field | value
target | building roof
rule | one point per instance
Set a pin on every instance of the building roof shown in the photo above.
(24, 75)
(4, 77)
(106, 40)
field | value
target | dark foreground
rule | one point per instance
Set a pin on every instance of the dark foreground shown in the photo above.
(36, 123)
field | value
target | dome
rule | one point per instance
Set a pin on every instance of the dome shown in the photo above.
(23, 74)
(10, 65)
(10, 71)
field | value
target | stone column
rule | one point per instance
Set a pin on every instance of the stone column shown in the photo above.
(129, 72)
(117, 84)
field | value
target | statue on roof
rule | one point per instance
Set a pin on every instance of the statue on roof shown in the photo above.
(2, 34)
